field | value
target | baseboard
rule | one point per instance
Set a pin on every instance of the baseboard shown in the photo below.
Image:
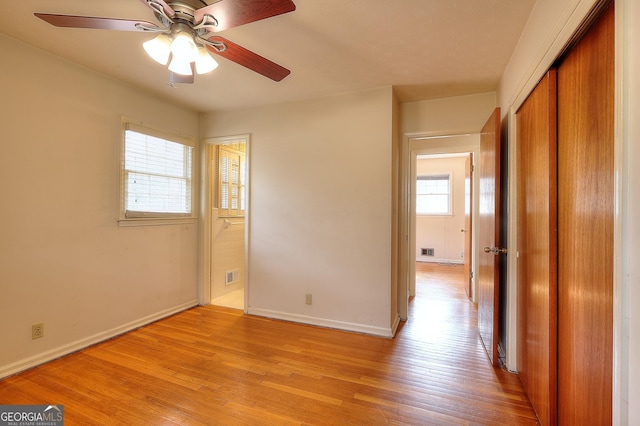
(50, 355)
(502, 354)
(323, 322)
(444, 261)
(396, 324)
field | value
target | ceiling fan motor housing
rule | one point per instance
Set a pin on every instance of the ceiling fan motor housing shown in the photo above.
(183, 12)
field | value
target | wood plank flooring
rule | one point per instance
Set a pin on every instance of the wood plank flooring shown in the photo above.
(215, 366)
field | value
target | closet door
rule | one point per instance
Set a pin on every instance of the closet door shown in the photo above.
(585, 227)
(537, 247)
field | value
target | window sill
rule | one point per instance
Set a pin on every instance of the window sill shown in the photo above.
(161, 221)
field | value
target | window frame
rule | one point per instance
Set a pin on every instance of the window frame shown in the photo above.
(135, 218)
(449, 194)
(231, 149)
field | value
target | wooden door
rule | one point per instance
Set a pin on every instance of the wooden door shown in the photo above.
(537, 247)
(489, 235)
(468, 234)
(585, 227)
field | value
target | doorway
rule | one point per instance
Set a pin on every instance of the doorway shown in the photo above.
(227, 213)
(440, 155)
(441, 202)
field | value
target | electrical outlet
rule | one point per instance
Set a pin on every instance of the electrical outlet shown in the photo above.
(37, 331)
(462, 254)
(307, 299)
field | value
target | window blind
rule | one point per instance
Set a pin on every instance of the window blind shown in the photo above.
(157, 175)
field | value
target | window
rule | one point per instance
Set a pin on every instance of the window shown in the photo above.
(156, 175)
(433, 194)
(231, 180)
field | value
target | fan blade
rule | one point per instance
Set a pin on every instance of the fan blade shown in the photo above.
(233, 13)
(70, 21)
(167, 9)
(247, 58)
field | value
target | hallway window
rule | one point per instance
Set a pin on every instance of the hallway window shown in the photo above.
(433, 194)
(156, 175)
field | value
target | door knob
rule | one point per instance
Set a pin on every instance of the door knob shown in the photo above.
(495, 250)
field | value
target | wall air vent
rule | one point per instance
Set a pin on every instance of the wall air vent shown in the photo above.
(428, 252)
(232, 276)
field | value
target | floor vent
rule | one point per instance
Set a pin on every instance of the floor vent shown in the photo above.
(428, 252)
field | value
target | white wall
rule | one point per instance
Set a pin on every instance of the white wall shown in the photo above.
(442, 232)
(63, 259)
(447, 116)
(550, 25)
(320, 208)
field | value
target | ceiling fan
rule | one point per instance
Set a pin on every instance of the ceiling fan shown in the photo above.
(184, 33)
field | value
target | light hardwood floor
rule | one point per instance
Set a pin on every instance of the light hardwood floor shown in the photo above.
(235, 300)
(213, 365)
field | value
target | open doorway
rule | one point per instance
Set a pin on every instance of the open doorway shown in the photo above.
(227, 195)
(442, 200)
(439, 234)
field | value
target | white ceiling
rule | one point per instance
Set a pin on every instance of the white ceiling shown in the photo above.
(426, 49)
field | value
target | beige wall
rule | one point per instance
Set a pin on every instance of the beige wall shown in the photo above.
(64, 260)
(320, 209)
(550, 25)
(447, 116)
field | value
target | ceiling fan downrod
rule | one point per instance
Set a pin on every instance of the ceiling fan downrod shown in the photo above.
(185, 13)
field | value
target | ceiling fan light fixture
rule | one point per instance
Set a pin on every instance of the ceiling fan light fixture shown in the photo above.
(159, 48)
(204, 62)
(180, 66)
(183, 47)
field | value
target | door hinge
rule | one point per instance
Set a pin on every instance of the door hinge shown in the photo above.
(471, 274)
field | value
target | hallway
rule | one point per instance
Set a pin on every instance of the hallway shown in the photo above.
(442, 335)
(214, 365)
